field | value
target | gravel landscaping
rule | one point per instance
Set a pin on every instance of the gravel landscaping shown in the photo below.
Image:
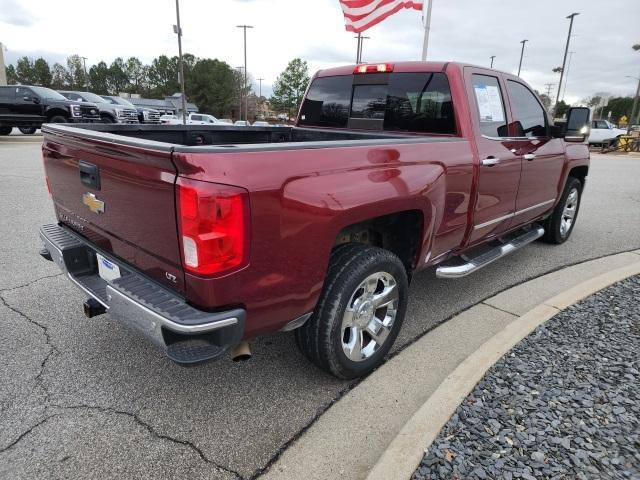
(564, 403)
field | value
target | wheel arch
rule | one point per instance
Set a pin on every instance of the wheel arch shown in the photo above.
(401, 232)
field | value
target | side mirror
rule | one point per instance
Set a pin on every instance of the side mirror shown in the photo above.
(26, 98)
(577, 129)
(36, 100)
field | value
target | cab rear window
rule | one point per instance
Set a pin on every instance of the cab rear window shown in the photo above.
(411, 102)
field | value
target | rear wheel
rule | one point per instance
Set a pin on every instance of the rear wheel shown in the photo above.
(359, 314)
(5, 130)
(27, 130)
(558, 227)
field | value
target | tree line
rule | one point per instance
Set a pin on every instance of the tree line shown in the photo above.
(211, 84)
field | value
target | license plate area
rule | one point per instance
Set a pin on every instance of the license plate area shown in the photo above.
(107, 270)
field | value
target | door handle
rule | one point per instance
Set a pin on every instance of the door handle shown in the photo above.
(490, 161)
(529, 156)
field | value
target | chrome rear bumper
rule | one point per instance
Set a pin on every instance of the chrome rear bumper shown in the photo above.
(186, 334)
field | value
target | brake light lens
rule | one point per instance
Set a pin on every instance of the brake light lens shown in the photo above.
(213, 221)
(374, 68)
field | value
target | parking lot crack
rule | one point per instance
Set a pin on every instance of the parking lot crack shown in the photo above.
(28, 284)
(20, 437)
(153, 432)
(45, 331)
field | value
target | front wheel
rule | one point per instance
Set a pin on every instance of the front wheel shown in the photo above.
(27, 130)
(558, 227)
(58, 119)
(359, 313)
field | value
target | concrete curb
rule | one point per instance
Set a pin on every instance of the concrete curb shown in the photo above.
(404, 453)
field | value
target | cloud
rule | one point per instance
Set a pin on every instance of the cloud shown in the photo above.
(11, 12)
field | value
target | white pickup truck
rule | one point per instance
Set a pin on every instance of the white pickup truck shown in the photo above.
(192, 119)
(602, 130)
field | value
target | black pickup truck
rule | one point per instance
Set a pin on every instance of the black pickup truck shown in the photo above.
(28, 107)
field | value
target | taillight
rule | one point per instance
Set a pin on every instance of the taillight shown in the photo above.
(374, 68)
(213, 223)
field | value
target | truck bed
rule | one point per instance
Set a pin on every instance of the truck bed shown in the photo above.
(166, 137)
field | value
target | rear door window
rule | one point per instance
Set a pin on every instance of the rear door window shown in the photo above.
(327, 102)
(490, 106)
(411, 102)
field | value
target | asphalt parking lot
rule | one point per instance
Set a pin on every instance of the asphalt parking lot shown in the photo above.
(83, 398)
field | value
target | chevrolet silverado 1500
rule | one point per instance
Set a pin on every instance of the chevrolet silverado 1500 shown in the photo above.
(202, 237)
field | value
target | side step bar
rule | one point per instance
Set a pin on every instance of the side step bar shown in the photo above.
(476, 263)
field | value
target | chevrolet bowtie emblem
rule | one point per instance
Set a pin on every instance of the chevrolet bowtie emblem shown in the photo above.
(95, 205)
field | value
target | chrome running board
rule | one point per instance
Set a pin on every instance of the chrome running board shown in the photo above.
(473, 264)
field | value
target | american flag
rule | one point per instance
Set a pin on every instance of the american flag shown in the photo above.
(359, 15)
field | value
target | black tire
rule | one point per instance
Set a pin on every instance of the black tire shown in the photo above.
(321, 338)
(58, 119)
(27, 130)
(107, 119)
(553, 230)
(5, 130)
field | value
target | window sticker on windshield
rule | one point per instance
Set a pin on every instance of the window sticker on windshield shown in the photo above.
(489, 103)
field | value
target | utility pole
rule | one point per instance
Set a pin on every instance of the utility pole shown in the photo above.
(566, 51)
(566, 80)
(245, 93)
(427, 27)
(521, 55)
(492, 57)
(634, 108)
(549, 87)
(260, 88)
(240, 69)
(260, 92)
(178, 30)
(86, 80)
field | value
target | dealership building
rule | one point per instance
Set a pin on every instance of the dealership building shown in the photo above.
(169, 105)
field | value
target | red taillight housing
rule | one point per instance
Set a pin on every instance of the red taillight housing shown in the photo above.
(374, 68)
(213, 222)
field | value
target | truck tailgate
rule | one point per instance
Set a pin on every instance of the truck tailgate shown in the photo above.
(119, 196)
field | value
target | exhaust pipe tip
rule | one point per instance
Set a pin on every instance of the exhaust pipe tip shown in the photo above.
(241, 353)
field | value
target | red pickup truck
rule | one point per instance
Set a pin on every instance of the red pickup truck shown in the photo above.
(202, 237)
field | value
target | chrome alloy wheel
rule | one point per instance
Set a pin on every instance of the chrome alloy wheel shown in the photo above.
(569, 212)
(369, 316)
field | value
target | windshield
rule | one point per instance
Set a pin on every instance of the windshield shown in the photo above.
(44, 92)
(92, 97)
(120, 101)
(411, 102)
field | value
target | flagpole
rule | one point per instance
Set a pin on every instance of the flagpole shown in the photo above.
(358, 47)
(427, 27)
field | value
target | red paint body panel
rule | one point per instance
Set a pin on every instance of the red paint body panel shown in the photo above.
(302, 197)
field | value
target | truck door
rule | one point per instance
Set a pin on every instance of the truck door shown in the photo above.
(27, 104)
(499, 168)
(7, 96)
(542, 155)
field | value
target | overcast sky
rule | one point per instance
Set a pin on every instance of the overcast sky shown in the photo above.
(461, 30)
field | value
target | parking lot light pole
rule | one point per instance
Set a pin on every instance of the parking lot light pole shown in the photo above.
(566, 51)
(635, 106)
(492, 57)
(86, 79)
(521, 55)
(245, 93)
(178, 30)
